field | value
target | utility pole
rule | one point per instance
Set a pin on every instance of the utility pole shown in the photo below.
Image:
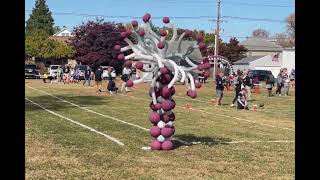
(216, 39)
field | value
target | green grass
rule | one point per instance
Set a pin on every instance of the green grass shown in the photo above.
(59, 149)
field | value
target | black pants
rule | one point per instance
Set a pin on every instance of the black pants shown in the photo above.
(236, 97)
(279, 86)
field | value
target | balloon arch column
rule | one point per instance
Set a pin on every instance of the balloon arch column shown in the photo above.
(221, 59)
(151, 55)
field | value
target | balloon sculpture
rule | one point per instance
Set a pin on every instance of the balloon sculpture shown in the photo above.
(155, 56)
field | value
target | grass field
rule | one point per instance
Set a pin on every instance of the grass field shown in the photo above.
(223, 143)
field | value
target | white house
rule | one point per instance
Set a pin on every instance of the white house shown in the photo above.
(274, 63)
(65, 32)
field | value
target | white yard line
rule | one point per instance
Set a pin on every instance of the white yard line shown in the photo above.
(103, 115)
(75, 122)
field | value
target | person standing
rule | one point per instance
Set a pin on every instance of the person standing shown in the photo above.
(125, 77)
(98, 79)
(247, 84)
(219, 88)
(87, 76)
(270, 84)
(292, 78)
(66, 73)
(111, 84)
(237, 83)
(279, 83)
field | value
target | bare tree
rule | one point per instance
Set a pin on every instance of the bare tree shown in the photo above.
(291, 25)
(262, 33)
(284, 40)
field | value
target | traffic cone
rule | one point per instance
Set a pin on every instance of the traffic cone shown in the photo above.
(256, 89)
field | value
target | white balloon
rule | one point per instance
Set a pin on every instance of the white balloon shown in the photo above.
(161, 138)
(161, 124)
(170, 123)
(160, 99)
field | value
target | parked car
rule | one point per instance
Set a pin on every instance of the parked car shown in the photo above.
(82, 69)
(53, 69)
(31, 70)
(261, 74)
(105, 72)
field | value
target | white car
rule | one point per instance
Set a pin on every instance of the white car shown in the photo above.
(105, 72)
(52, 70)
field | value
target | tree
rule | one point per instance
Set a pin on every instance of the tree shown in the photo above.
(261, 33)
(232, 50)
(40, 18)
(284, 40)
(94, 43)
(56, 29)
(38, 45)
(291, 25)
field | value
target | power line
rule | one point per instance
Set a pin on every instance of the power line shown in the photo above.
(255, 19)
(257, 5)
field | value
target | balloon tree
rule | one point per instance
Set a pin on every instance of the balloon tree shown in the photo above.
(168, 63)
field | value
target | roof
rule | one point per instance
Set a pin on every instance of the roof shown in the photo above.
(260, 44)
(247, 60)
(62, 31)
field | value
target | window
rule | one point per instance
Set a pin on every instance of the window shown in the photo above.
(67, 34)
(63, 34)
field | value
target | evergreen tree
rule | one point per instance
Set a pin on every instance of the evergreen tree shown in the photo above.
(40, 19)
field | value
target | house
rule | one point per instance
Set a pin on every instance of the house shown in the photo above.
(65, 32)
(261, 47)
(285, 59)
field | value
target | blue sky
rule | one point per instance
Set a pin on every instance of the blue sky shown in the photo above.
(201, 12)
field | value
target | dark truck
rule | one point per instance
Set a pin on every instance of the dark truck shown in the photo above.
(261, 74)
(31, 71)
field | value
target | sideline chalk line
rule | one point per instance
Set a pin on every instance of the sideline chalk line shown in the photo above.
(75, 122)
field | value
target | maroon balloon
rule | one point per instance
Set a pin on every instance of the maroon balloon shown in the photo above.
(205, 60)
(123, 35)
(202, 46)
(146, 17)
(172, 116)
(192, 94)
(154, 117)
(166, 20)
(134, 23)
(163, 32)
(164, 70)
(165, 93)
(187, 32)
(158, 106)
(166, 132)
(167, 105)
(160, 45)
(117, 48)
(173, 104)
(128, 63)
(129, 83)
(128, 32)
(158, 93)
(200, 67)
(155, 145)
(166, 118)
(206, 74)
(199, 37)
(206, 65)
(197, 84)
(121, 57)
(141, 33)
(165, 78)
(139, 65)
(167, 145)
(155, 131)
(172, 90)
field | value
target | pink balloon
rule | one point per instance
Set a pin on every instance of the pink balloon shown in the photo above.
(128, 63)
(206, 65)
(206, 73)
(154, 117)
(128, 32)
(200, 67)
(166, 20)
(117, 48)
(166, 118)
(155, 131)
(155, 145)
(123, 35)
(163, 32)
(129, 83)
(165, 92)
(167, 105)
(141, 33)
(199, 37)
(167, 145)
(139, 65)
(121, 57)
(197, 84)
(187, 32)
(146, 17)
(164, 70)
(191, 93)
(134, 23)
(202, 46)
(161, 45)
(166, 132)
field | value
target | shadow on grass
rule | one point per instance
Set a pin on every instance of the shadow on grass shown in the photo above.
(55, 104)
(190, 139)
